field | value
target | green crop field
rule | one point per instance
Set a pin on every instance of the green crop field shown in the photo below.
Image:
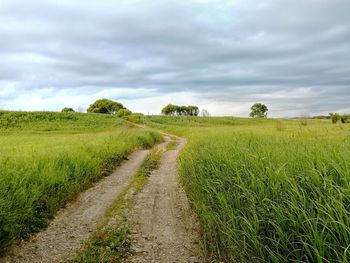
(46, 158)
(267, 190)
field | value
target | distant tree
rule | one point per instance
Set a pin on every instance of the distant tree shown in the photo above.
(258, 110)
(170, 109)
(105, 106)
(66, 109)
(335, 117)
(192, 110)
(345, 118)
(205, 113)
(182, 110)
(123, 113)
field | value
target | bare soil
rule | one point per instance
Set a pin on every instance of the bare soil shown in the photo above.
(74, 223)
(164, 227)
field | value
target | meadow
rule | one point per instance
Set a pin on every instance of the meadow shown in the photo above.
(267, 190)
(46, 158)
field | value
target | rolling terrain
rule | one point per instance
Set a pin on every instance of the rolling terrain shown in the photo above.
(267, 190)
(263, 190)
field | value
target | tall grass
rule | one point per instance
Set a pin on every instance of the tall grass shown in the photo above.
(270, 196)
(40, 170)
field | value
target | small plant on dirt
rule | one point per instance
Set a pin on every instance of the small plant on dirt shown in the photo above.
(111, 244)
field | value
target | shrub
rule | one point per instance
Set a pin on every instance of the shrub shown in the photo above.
(66, 109)
(123, 113)
(345, 118)
(335, 117)
(105, 106)
(136, 118)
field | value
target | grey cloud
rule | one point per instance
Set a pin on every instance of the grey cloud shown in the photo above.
(223, 50)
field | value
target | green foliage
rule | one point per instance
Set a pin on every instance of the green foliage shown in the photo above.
(171, 109)
(55, 122)
(40, 171)
(172, 145)
(123, 113)
(280, 125)
(345, 118)
(263, 195)
(335, 117)
(66, 109)
(135, 117)
(258, 110)
(303, 122)
(111, 244)
(105, 106)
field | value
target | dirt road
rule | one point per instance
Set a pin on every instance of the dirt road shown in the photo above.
(73, 224)
(164, 228)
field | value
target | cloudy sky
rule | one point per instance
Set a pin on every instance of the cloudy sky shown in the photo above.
(222, 55)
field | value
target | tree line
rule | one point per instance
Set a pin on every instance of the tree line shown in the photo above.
(106, 106)
(172, 109)
(335, 117)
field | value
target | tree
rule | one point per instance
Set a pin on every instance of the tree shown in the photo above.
(105, 106)
(345, 118)
(182, 110)
(192, 110)
(66, 109)
(258, 110)
(123, 113)
(170, 109)
(335, 117)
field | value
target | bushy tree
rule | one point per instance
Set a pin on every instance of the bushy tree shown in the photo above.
(66, 109)
(335, 117)
(172, 109)
(258, 110)
(192, 110)
(105, 106)
(123, 113)
(345, 118)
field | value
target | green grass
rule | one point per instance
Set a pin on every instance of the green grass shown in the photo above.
(111, 241)
(47, 158)
(267, 190)
(172, 145)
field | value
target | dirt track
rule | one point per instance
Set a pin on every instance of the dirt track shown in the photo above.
(74, 223)
(165, 229)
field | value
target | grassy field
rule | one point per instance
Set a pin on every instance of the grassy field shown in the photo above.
(47, 158)
(267, 190)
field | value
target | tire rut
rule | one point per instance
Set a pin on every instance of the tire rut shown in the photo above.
(164, 227)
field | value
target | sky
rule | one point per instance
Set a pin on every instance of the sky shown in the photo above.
(222, 55)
